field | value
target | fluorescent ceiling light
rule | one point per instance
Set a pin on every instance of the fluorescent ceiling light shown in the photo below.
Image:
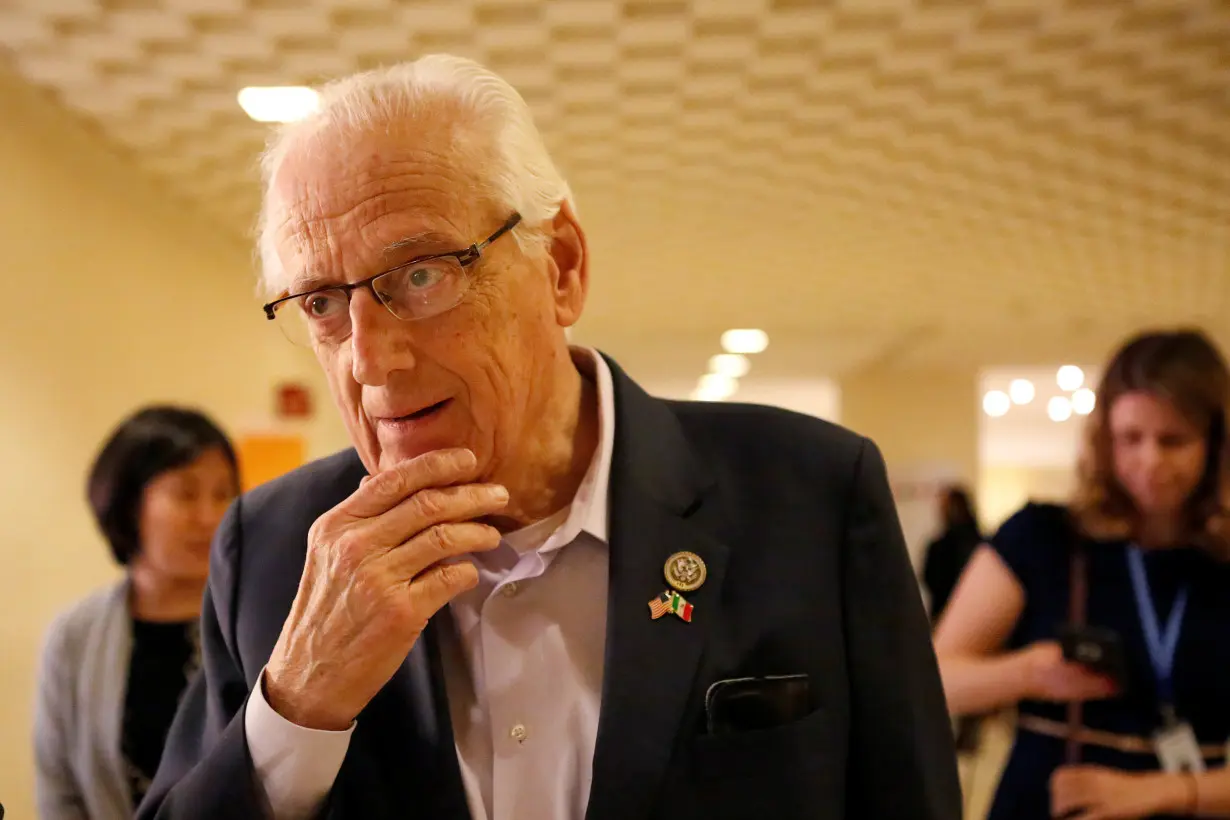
(1021, 391)
(1083, 401)
(734, 365)
(715, 387)
(996, 403)
(1070, 377)
(745, 340)
(278, 103)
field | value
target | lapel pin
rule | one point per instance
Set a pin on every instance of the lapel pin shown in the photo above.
(670, 601)
(685, 571)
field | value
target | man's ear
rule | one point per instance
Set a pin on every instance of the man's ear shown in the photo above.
(569, 267)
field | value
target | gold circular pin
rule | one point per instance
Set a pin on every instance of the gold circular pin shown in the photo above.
(685, 571)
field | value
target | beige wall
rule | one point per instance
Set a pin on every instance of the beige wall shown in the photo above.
(916, 417)
(1004, 489)
(929, 423)
(926, 425)
(116, 296)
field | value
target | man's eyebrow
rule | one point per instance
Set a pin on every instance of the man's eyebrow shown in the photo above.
(399, 252)
(425, 243)
(308, 282)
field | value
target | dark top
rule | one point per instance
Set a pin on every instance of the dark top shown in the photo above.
(946, 559)
(1035, 544)
(164, 658)
(807, 573)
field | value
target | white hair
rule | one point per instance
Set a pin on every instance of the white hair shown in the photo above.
(518, 174)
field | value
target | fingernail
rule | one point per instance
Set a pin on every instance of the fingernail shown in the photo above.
(466, 459)
(499, 493)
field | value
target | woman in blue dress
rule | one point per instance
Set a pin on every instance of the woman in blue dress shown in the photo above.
(1151, 517)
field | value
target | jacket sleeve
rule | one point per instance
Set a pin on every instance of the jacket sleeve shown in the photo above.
(58, 794)
(206, 771)
(900, 734)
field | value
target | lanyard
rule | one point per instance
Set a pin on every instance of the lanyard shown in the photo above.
(1161, 645)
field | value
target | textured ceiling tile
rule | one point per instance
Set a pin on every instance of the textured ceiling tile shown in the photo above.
(1024, 158)
(148, 25)
(290, 23)
(806, 22)
(371, 40)
(582, 12)
(206, 6)
(54, 70)
(24, 30)
(440, 17)
(654, 31)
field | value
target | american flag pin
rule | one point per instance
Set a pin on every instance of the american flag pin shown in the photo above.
(670, 601)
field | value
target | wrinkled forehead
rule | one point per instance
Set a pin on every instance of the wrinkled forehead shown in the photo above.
(341, 198)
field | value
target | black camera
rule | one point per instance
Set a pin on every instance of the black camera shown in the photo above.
(1099, 649)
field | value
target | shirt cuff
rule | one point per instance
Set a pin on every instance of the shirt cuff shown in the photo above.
(294, 765)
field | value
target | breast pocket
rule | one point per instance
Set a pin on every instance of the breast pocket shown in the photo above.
(796, 770)
(815, 740)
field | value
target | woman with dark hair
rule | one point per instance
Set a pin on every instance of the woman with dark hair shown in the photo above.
(115, 664)
(1125, 712)
(945, 559)
(948, 554)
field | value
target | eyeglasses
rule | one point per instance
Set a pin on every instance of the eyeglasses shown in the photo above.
(419, 289)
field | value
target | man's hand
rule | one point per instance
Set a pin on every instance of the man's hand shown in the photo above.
(378, 567)
(1097, 793)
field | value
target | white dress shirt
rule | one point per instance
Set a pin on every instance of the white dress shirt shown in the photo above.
(523, 667)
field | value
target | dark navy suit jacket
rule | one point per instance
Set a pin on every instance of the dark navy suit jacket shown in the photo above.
(808, 573)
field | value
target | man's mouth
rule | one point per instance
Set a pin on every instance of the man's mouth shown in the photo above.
(419, 415)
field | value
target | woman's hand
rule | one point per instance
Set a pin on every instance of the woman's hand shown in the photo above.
(1097, 793)
(1053, 678)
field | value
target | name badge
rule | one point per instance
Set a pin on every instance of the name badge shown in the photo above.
(1178, 750)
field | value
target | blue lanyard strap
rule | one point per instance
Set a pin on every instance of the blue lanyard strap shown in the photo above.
(1161, 645)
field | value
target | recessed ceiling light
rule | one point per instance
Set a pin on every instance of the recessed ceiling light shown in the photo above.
(1070, 377)
(715, 387)
(1083, 401)
(745, 340)
(278, 103)
(1021, 391)
(734, 365)
(996, 403)
(1059, 408)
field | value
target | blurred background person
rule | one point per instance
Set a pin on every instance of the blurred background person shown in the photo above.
(1150, 515)
(949, 552)
(115, 664)
(945, 559)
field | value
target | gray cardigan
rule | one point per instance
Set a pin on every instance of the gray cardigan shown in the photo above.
(79, 770)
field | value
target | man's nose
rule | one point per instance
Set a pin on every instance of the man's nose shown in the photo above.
(379, 341)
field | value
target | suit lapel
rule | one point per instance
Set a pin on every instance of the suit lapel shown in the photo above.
(657, 485)
(403, 752)
(452, 802)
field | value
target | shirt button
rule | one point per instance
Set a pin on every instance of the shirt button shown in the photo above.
(510, 589)
(519, 733)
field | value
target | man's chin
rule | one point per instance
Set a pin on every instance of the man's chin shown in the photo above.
(396, 450)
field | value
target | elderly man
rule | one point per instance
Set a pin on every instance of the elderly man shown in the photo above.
(531, 590)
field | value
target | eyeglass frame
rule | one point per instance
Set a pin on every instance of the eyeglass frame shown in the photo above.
(465, 258)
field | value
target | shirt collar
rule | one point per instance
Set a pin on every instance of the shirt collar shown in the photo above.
(590, 504)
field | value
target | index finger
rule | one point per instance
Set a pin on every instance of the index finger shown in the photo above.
(388, 488)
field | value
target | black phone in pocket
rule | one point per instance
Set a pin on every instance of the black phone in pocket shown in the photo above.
(1098, 648)
(749, 704)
